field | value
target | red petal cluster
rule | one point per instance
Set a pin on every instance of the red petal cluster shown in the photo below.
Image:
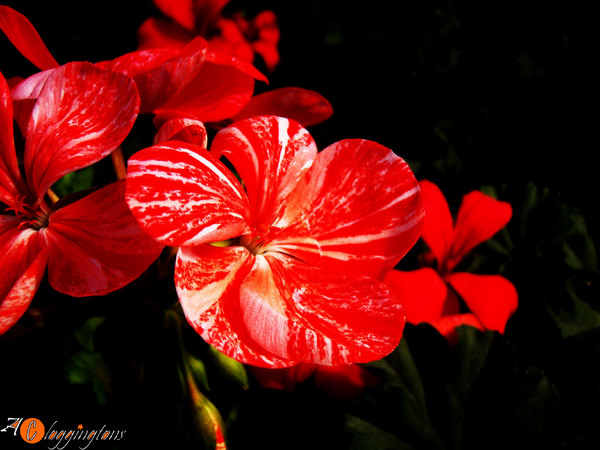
(432, 295)
(312, 236)
(195, 78)
(91, 245)
(233, 35)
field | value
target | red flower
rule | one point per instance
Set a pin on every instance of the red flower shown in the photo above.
(204, 84)
(430, 295)
(233, 35)
(312, 235)
(91, 245)
(185, 81)
(342, 382)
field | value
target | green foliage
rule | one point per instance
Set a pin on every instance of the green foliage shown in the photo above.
(85, 365)
(73, 182)
(473, 395)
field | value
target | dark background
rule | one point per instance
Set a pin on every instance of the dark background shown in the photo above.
(472, 94)
(505, 87)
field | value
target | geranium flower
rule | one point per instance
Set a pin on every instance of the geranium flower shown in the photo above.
(233, 35)
(311, 236)
(343, 382)
(185, 81)
(91, 245)
(431, 294)
(167, 78)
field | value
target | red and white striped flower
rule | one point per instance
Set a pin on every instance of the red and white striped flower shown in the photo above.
(312, 234)
(91, 245)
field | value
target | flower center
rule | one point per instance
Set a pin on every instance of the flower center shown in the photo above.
(253, 243)
(256, 242)
(31, 216)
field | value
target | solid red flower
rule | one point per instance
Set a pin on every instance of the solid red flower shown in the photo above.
(432, 294)
(312, 236)
(233, 35)
(91, 245)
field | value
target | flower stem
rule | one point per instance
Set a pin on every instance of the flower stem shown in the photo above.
(118, 163)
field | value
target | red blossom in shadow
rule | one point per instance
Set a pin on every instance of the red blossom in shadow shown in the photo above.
(312, 234)
(342, 382)
(432, 294)
(91, 245)
(233, 35)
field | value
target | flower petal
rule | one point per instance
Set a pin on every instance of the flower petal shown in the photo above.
(25, 38)
(31, 87)
(24, 95)
(181, 11)
(95, 246)
(82, 114)
(157, 32)
(358, 210)
(304, 314)
(437, 226)
(447, 325)
(479, 218)
(183, 196)
(23, 265)
(271, 155)
(160, 73)
(273, 311)
(285, 379)
(302, 105)
(240, 64)
(10, 176)
(230, 39)
(492, 298)
(422, 293)
(181, 129)
(216, 93)
(208, 280)
(266, 25)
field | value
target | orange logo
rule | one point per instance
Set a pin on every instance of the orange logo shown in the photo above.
(32, 431)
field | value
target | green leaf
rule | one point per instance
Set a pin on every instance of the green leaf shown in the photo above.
(198, 371)
(366, 435)
(470, 395)
(399, 404)
(577, 245)
(538, 402)
(87, 366)
(471, 355)
(573, 316)
(85, 334)
(74, 182)
(229, 368)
